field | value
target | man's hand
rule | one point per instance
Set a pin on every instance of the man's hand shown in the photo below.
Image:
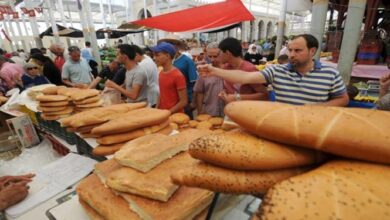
(81, 86)
(6, 180)
(205, 70)
(110, 84)
(385, 81)
(227, 98)
(13, 193)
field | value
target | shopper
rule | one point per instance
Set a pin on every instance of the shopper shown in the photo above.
(32, 77)
(136, 82)
(49, 69)
(76, 71)
(107, 73)
(231, 58)
(302, 81)
(207, 89)
(173, 91)
(253, 56)
(11, 73)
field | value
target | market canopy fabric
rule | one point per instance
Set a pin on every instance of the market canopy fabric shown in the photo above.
(205, 17)
(75, 33)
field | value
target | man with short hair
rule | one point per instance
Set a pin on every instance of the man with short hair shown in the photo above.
(136, 81)
(173, 91)
(60, 58)
(76, 71)
(145, 62)
(107, 73)
(207, 89)
(231, 58)
(302, 81)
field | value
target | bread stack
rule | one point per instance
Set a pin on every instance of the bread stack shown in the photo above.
(125, 127)
(54, 107)
(339, 189)
(181, 121)
(84, 122)
(143, 189)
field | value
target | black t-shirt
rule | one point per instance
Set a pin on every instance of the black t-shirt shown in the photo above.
(52, 73)
(253, 58)
(120, 76)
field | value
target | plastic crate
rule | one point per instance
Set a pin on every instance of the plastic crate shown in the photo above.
(85, 149)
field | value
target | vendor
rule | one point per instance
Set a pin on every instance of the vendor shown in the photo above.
(31, 77)
(302, 81)
(76, 72)
(13, 189)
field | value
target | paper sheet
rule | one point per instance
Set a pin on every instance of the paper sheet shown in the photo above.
(53, 179)
(61, 212)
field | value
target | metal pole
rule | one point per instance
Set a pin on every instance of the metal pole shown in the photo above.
(281, 26)
(25, 29)
(351, 38)
(18, 28)
(155, 14)
(69, 15)
(13, 36)
(53, 21)
(110, 11)
(317, 26)
(7, 32)
(94, 43)
(34, 26)
(62, 14)
(104, 21)
(83, 22)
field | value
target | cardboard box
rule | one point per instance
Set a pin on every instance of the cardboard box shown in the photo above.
(23, 127)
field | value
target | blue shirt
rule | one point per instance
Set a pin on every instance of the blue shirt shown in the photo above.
(188, 69)
(319, 85)
(30, 81)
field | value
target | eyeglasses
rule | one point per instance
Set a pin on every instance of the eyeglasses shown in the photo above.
(32, 68)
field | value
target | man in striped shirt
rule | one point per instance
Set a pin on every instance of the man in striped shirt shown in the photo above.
(302, 81)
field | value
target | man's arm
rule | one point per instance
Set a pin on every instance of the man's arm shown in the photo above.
(183, 100)
(340, 101)
(384, 85)
(234, 76)
(199, 102)
(132, 94)
(68, 83)
(94, 82)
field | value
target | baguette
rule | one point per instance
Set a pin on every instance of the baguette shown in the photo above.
(223, 180)
(349, 132)
(103, 200)
(240, 150)
(127, 136)
(100, 115)
(104, 150)
(336, 190)
(138, 118)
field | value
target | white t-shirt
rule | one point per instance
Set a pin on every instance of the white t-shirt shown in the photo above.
(152, 72)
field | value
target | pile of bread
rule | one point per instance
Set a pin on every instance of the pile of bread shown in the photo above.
(311, 162)
(181, 121)
(136, 183)
(3, 99)
(59, 101)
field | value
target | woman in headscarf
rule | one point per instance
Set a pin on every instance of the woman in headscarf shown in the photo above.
(253, 56)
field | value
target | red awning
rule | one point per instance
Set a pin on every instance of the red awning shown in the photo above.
(204, 17)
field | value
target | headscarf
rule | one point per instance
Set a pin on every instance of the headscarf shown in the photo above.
(250, 51)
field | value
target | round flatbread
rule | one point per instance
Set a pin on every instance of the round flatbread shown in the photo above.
(51, 98)
(193, 123)
(51, 90)
(88, 100)
(203, 117)
(216, 121)
(54, 104)
(51, 109)
(90, 105)
(204, 125)
(66, 111)
(179, 118)
(84, 93)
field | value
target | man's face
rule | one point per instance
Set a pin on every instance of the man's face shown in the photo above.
(75, 56)
(138, 57)
(214, 55)
(121, 58)
(224, 56)
(299, 54)
(161, 58)
(113, 66)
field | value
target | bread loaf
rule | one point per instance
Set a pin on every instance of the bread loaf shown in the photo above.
(65, 111)
(138, 118)
(155, 184)
(66, 91)
(127, 136)
(91, 105)
(203, 117)
(349, 132)
(219, 179)
(84, 93)
(92, 214)
(52, 90)
(100, 115)
(240, 150)
(103, 200)
(104, 150)
(51, 98)
(145, 153)
(51, 109)
(336, 190)
(179, 118)
(190, 200)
